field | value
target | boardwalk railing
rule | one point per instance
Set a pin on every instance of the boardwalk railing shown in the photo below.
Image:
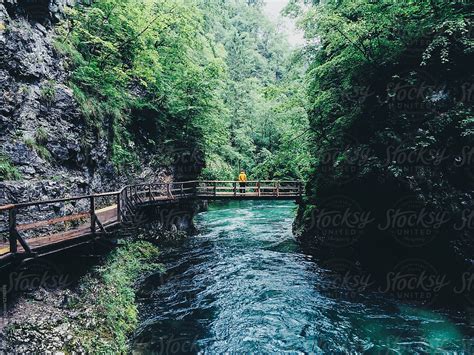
(131, 196)
(264, 188)
(32, 225)
(81, 215)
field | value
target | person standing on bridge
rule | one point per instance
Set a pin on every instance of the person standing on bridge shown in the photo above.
(242, 181)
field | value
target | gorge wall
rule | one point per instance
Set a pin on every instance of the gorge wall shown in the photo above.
(393, 156)
(48, 149)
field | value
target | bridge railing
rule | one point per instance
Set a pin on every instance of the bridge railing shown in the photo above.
(49, 218)
(58, 218)
(251, 188)
(133, 195)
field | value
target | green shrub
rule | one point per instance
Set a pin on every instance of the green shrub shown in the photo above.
(40, 149)
(7, 170)
(41, 136)
(123, 158)
(48, 92)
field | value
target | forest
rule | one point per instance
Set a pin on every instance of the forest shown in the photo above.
(214, 75)
(377, 102)
(121, 121)
(218, 77)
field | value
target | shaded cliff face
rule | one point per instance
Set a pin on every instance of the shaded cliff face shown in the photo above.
(43, 136)
(42, 131)
(397, 183)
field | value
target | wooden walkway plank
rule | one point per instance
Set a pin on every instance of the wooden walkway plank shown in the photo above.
(128, 199)
(107, 215)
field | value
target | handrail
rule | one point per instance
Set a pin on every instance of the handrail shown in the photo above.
(131, 196)
(115, 193)
(6, 207)
(57, 200)
(75, 198)
(231, 181)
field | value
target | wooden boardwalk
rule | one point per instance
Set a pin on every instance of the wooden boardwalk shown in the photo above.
(108, 215)
(113, 209)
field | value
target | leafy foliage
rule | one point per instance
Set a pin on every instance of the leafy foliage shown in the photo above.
(388, 74)
(262, 95)
(208, 75)
(7, 170)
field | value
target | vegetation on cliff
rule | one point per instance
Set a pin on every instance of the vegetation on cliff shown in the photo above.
(144, 67)
(173, 76)
(111, 291)
(7, 170)
(390, 110)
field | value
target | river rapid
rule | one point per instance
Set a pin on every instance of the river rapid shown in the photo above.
(244, 285)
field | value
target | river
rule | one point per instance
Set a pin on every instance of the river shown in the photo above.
(243, 285)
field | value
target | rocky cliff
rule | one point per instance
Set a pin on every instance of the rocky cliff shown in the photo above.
(393, 170)
(47, 148)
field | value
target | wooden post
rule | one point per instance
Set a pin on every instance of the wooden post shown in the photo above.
(234, 184)
(23, 243)
(278, 188)
(300, 188)
(182, 189)
(92, 200)
(149, 192)
(258, 188)
(169, 189)
(215, 188)
(12, 230)
(119, 209)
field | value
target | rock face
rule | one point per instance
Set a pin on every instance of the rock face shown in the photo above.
(42, 132)
(399, 185)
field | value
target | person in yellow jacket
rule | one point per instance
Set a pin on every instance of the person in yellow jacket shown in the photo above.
(242, 181)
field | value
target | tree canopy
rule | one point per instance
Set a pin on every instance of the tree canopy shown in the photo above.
(210, 75)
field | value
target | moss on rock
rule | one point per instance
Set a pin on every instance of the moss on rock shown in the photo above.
(96, 317)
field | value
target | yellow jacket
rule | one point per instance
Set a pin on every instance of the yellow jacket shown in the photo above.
(242, 177)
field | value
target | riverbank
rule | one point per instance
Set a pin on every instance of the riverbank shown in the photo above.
(96, 315)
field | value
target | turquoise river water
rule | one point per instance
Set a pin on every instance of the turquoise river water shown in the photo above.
(244, 285)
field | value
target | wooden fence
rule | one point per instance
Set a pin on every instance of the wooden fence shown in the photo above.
(74, 217)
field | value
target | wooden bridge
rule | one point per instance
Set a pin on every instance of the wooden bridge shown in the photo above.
(72, 221)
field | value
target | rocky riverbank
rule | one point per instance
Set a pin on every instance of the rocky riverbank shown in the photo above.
(95, 314)
(84, 301)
